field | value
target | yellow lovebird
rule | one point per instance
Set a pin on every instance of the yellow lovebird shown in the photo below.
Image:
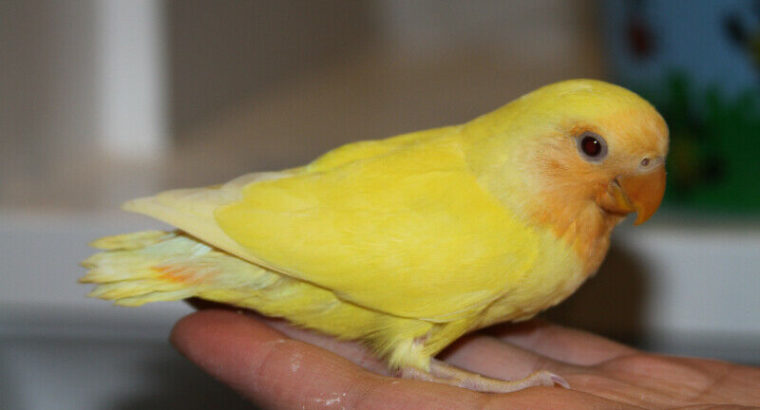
(407, 243)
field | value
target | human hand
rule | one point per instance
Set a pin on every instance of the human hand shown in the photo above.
(278, 366)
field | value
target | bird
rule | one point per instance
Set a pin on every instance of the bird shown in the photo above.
(407, 243)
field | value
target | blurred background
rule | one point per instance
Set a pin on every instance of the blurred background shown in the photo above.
(103, 101)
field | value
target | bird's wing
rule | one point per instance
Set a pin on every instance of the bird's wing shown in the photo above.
(406, 231)
(192, 210)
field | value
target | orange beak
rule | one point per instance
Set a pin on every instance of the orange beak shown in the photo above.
(637, 193)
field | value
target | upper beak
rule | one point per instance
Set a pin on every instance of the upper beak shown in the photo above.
(636, 193)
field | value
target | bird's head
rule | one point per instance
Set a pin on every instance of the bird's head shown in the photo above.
(578, 147)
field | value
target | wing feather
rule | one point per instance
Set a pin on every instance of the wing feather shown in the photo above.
(409, 232)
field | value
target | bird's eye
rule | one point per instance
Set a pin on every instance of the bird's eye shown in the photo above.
(592, 146)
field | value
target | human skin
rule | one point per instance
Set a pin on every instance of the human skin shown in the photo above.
(278, 366)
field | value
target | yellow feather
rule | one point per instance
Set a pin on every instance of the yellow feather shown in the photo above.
(364, 224)
(404, 243)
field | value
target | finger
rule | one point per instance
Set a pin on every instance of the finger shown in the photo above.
(267, 367)
(259, 362)
(492, 357)
(484, 355)
(476, 352)
(352, 351)
(560, 343)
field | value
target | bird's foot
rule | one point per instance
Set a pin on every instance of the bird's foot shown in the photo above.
(441, 372)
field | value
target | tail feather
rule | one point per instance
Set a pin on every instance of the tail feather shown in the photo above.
(155, 266)
(152, 266)
(130, 241)
(163, 296)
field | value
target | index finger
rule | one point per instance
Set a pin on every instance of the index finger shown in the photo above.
(560, 343)
(267, 367)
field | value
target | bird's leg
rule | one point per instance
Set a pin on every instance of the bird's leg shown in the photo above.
(441, 372)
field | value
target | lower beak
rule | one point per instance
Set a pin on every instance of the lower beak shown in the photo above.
(636, 193)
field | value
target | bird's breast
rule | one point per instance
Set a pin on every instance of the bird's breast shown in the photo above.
(558, 271)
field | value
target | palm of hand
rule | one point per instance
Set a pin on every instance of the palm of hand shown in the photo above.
(268, 362)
